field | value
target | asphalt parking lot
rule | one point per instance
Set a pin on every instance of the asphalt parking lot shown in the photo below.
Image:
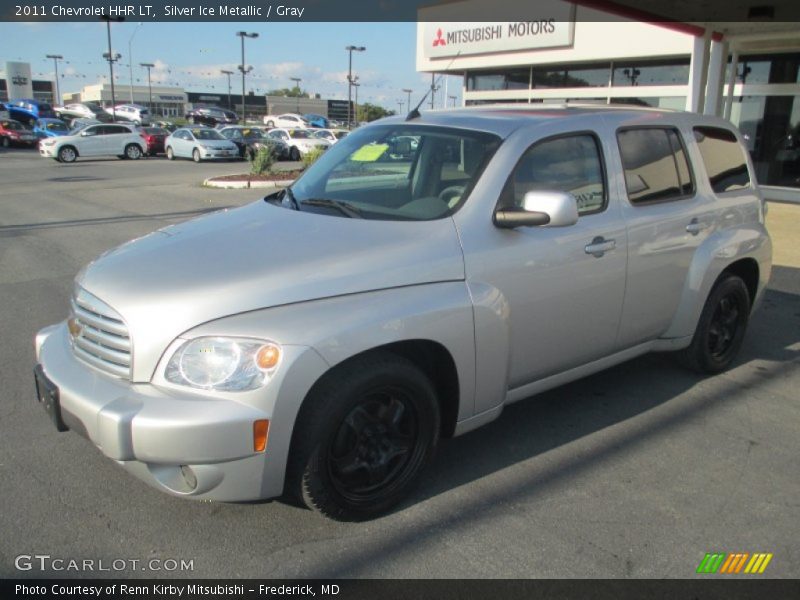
(634, 472)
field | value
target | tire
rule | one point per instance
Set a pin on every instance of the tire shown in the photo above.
(170, 153)
(721, 328)
(271, 124)
(363, 435)
(191, 120)
(133, 151)
(67, 154)
(294, 153)
(196, 155)
(6, 142)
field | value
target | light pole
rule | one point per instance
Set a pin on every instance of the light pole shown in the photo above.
(56, 58)
(400, 105)
(297, 81)
(149, 66)
(433, 88)
(350, 50)
(243, 68)
(408, 91)
(130, 58)
(112, 58)
(228, 73)
(356, 85)
(453, 98)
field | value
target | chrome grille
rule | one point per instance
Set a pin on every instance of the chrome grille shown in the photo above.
(99, 335)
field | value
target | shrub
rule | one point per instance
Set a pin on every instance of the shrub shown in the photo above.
(262, 162)
(310, 157)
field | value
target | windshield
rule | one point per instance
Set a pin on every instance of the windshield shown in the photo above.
(155, 131)
(206, 134)
(396, 172)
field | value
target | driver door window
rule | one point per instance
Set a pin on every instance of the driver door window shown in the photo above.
(567, 164)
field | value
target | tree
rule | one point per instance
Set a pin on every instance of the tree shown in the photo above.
(370, 112)
(294, 92)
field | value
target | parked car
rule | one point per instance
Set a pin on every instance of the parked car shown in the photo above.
(44, 128)
(132, 113)
(317, 344)
(155, 138)
(105, 139)
(82, 110)
(199, 143)
(330, 135)
(250, 140)
(79, 123)
(212, 116)
(316, 120)
(300, 141)
(288, 120)
(14, 133)
(28, 110)
(168, 125)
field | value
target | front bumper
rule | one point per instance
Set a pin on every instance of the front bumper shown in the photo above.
(160, 434)
(214, 154)
(47, 151)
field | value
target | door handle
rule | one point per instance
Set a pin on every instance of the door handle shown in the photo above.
(600, 246)
(694, 227)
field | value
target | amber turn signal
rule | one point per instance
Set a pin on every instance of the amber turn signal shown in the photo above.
(267, 357)
(260, 434)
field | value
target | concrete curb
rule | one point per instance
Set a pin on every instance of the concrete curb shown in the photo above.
(240, 185)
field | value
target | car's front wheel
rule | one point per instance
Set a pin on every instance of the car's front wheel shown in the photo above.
(362, 437)
(196, 155)
(170, 153)
(294, 153)
(133, 151)
(67, 154)
(6, 142)
(721, 328)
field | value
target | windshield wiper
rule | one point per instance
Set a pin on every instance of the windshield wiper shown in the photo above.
(343, 207)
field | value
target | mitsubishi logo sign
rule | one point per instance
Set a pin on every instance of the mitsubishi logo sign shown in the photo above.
(19, 80)
(439, 41)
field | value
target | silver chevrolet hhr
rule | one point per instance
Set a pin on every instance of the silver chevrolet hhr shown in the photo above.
(424, 273)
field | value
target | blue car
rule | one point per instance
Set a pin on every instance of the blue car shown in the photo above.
(317, 121)
(28, 111)
(44, 128)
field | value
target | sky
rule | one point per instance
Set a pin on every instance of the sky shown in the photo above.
(191, 55)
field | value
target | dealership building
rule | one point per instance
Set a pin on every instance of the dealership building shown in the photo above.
(746, 72)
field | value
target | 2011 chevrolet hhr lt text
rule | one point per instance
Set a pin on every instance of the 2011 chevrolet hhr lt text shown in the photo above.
(421, 275)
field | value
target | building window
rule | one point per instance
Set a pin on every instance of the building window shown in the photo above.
(662, 72)
(571, 76)
(512, 79)
(761, 69)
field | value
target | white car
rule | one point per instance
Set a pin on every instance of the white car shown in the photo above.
(300, 141)
(290, 120)
(138, 115)
(105, 139)
(331, 135)
(199, 143)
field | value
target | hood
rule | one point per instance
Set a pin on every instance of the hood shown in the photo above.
(255, 257)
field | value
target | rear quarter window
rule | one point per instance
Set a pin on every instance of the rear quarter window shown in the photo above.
(724, 159)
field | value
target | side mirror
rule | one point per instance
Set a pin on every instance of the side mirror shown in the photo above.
(540, 208)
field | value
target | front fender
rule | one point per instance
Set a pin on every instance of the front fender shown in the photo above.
(720, 250)
(335, 329)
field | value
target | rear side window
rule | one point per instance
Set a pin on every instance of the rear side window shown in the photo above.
(724, 159)
(655, 163)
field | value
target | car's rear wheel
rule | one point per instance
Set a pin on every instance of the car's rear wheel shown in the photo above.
(270, 123)
(170, 153)
(294, 153)
(721, 328)
(133, 151)
(67, 154)
(196, 155)
(362, 437)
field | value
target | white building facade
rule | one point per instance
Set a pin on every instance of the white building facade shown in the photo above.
(576, 54)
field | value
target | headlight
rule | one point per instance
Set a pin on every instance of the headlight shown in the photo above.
(226, 364)
(204, 147)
